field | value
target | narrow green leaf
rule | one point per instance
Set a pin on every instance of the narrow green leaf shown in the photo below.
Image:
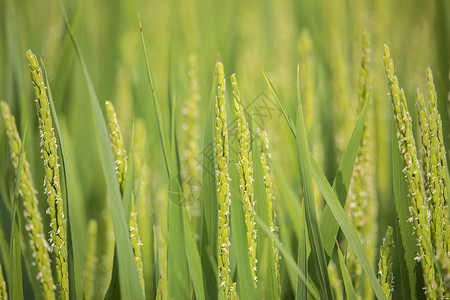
(208, 202)
(328, 226)
(130, 287)
(345, 225)
(177, 265)
(288, 258)
(406, 242)
(15, 254)
(162, 134)
(349, 290)
(239, 244)
(288, 197)
(302, 292)
(267, 280)
(277, 98)
(193, 258)
(312, 225)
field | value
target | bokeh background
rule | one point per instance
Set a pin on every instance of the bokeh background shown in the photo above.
(245, 35)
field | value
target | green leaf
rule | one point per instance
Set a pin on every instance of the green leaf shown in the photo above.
(288, 258)
(177, 265)
(349, 290)
(267, 280)
(345, 225)
(162, 134)
(130, 287)
(208, 202)
(302, 292)
(317, 251)
(406, 241)
(15, 255)
(239, 244)
(193, 258)
(328, 225)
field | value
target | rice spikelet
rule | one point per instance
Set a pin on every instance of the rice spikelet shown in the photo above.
(223, 186)
(33, 221)
(245, 166)
(413, 172)
(385, 275)
(3, 293)
(52, 177)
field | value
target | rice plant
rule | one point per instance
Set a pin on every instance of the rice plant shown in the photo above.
(322, 175)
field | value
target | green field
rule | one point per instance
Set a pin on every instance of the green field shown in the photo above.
(193, 149)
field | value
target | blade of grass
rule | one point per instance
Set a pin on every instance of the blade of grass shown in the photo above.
(15, 256)
(177, 265)
(208, 201)
(193, 257)
(345, 225)
(288, 257)
(267, 281)
(302, 292)
(162, 135)
(70, 248)
(129, 279)
(406, 244)
(239, 244)
(328, 226)
(349, 290)
(312, 224)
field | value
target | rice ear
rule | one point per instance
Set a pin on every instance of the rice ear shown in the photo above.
(52, 176)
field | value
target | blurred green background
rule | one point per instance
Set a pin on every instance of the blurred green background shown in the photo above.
(245, 35)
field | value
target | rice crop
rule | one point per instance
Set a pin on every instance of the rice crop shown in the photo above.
(134, 166)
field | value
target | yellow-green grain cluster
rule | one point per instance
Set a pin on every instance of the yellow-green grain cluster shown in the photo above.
(136, 242)
(191, 113)
(245, 167)
(33, 221)
(120, 160)
(439, 217)
(362, 193)
(263, 143)
(3, 292)
(118, 148)
(52, 177)
(435, 168)
(419, 212)
(385, 275)
(223, 185)
(90, 260)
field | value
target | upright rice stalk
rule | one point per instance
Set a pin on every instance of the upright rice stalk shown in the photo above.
(407, 145)
(3, 292)
(120, 160)
(52, 177)
(191, 134)
(362, 193)
(33, 221)
(223, 186)
(191, 126)
(441, 217)
(91, 260)
(385, 275)
(245, 167)
(263, 143)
